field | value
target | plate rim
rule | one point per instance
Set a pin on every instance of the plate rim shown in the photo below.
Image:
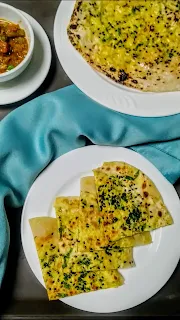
(111, 94)
(83, 149)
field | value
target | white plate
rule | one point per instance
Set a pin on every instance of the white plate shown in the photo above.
(155, 263)
(100, 88)
(34, 75)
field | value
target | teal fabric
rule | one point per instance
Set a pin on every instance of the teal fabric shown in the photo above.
(42, 130)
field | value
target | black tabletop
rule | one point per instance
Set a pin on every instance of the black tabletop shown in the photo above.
(21, 295)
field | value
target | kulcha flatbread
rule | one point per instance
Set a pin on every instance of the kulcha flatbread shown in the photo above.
(60, 284)
(140, 239)
(67, 213)
(91, 223)
(101, 260)
(133, 42)
(129, 201)
(84, 261)
(92, 228)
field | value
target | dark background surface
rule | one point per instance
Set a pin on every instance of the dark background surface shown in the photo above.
(21, 295)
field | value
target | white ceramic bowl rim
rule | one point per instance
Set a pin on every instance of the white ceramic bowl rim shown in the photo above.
(31, 45)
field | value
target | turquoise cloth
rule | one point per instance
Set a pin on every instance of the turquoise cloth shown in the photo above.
(42, 130)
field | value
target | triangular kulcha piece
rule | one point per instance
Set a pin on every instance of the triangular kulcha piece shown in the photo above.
(128, 200)
(93, 225)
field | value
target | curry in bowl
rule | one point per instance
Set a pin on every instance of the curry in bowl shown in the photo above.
(13, 45)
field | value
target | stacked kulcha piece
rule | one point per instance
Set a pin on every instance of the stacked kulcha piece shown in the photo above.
(93, 235)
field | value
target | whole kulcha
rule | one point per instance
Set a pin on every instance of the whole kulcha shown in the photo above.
(133, 42)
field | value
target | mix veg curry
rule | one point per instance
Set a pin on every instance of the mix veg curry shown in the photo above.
(13, 45)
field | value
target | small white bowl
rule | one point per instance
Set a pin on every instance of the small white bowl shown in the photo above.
(11, 14)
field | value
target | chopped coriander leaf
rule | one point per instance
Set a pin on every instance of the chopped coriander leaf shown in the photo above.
(10, 67)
